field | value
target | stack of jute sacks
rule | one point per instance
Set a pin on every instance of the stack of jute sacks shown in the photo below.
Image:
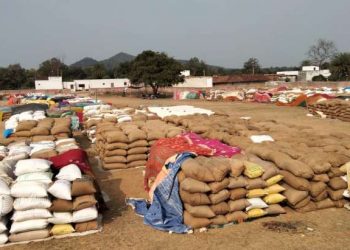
(95, 114)
(313, 181)
(47, 129)
(218, 191)
(74, 202)
(126, 145)
(335, 109)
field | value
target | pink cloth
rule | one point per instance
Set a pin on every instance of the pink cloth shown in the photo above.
(220, 148)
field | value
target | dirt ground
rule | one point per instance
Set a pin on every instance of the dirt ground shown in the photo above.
(122, 229)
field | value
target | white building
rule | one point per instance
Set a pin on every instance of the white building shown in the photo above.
(55, 83)
(196, 82)
(307, 73)
(52, 83)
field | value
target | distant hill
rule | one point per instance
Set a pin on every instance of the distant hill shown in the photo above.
(110, 63)
(117, 59)
(85, 62)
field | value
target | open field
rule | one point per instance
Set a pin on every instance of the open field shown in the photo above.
(326, 229)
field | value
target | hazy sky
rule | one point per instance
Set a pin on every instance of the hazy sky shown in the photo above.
(221, 32)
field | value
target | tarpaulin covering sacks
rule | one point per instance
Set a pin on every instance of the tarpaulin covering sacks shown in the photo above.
(191, 142)
(166, 211)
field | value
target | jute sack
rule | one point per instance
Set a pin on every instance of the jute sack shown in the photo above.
(240, 182)
(194, 199)
(317, 161)
(38, 138)
(47, 123)
(238, 205)
(335, 172)
(26, 125)
(181, 177)
(219, 185)
(316, 188)
(115, 159)
(137, 163)
(218, 166)
(302, 203)
(340, 203)
(321, 177)
(275, 209)
(219, 197)
(326, 203)
(202, 211)
(115, 152)
(194, 170)
(221, 208)
(39, 131)
(194, 222)
(137, 134)
(116, 136)
(139, 143)
(58, 129)
(193, 186)
(116, 145)
(256, 183)
(218, 220)
(23, 133)
(323, 195)
(110, 166)
(295, 182)
(155, 135)
(237, 217)
(335, 195)
(337, 183)
(86, 226)
(237, 167)
(139, 157)
(294, 196)
(311, 206)
(137, 150)
(238, 193)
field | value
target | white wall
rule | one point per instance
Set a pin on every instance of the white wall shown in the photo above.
(53, 82)
(101, 83)
(310, 68)
(196, 82)
(288, 73)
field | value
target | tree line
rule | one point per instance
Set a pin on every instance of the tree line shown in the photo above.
(150, 65)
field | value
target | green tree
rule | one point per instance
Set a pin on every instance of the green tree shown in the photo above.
(340, 67)
(12, 77)
(305, 63)
(30, 81)
(322, 52)
(97, 71)
(156, 70)
(51, 67)
(252, 66)
(123, 70)
(73, 73)
(197, 67)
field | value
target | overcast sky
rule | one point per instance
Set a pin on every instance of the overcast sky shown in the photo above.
(221, 32)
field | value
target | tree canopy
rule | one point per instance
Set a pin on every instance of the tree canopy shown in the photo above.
(252, 66)
(340, 67)
(322, 52)
(156, 70)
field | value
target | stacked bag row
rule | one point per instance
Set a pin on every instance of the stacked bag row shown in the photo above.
(218, 191)
(31, 204)
(47, 129)
(332, 109)
(96, 114)
(74, 203)
(41, 149)
(313, 182)
(126, 145)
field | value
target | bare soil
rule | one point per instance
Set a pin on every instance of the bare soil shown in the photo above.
(122, 229)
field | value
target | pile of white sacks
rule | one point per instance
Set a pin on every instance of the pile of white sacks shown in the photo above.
(33, 206)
